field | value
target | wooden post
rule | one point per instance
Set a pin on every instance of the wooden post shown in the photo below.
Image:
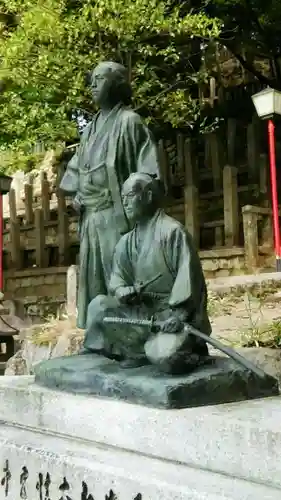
(63, 239)
(45, 196)
(231, 140)
(219, 236)
(191, 215)
(191, 201)
(264, 183)
(230, 202)
(215, 155)
(213, 96)
(171, 152)
(180, 165)
(253, 149)
(63, 231)
(250, 230)
(61, 202)
(71, 291)
(40, 250)
(13, 205)
(15, 245)
(164, 165)
(190, 165)
(267, 237)
(28, 201)
(207, 151)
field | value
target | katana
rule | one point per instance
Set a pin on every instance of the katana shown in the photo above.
(149, 323)
(153, 324)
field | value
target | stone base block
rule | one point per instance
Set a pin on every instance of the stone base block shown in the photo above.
(222, 381)
(58, 446)
(45, 466)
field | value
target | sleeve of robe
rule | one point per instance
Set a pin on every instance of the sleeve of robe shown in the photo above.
(138, 147)
(70, 180)
(187, 285)
(122, 273)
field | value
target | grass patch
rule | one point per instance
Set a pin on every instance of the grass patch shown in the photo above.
(259, 333)
(48, 333)
(221, 305)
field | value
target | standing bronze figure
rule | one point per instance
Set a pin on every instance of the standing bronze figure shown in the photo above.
(115, 144)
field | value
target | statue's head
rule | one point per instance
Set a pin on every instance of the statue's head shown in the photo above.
(140, 196)
(110, 84)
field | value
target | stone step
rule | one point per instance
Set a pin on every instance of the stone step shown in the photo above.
(242, 440)
(245, 283)
(130, 476)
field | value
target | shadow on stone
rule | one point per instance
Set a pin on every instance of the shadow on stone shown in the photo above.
(221, 381)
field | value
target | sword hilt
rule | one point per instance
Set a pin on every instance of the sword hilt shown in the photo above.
(152, 322)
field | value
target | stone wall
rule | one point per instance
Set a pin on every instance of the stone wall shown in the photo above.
(35, 281)
(41, 291)
(223, 262)
(37, 285)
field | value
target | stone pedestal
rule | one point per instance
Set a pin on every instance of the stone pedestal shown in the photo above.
(221, 380)
(55, 445)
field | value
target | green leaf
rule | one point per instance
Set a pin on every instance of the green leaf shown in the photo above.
(47, 50)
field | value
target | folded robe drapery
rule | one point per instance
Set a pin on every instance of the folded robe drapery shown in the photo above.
(106, 156)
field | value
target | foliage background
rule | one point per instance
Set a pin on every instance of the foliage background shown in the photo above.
(47, 47)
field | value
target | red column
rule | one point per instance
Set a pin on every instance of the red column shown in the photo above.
(1, 242)
(273, 179)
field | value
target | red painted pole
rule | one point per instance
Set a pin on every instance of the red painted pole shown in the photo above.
(273, 179)
(1, 243)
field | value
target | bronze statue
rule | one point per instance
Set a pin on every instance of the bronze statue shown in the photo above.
(115, 144)
(146, 338)
(143, 291)
(156, 272)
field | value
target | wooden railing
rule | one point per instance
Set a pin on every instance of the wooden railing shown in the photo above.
(43, 224)
(208, 200)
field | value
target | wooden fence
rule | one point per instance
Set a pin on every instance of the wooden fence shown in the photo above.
(207, 199)
(42, 226)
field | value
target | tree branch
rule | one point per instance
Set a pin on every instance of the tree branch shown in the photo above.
(247, 65)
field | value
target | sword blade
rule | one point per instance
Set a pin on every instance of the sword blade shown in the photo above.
(227, 350)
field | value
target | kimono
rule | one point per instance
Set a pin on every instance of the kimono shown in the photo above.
(104, 160)
(164, 265)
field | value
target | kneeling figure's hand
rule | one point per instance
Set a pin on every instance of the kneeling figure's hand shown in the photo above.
(125, 294)
(172, 325)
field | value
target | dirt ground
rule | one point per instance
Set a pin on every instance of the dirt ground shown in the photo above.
(244, 311)
(235, 320)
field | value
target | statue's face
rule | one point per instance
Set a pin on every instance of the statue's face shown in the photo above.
(102, 77)
(134, 201)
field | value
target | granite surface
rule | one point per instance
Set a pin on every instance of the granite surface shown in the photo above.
(220, 381)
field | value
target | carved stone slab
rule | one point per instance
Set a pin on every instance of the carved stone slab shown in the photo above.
(41, 466)
(221, 381)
